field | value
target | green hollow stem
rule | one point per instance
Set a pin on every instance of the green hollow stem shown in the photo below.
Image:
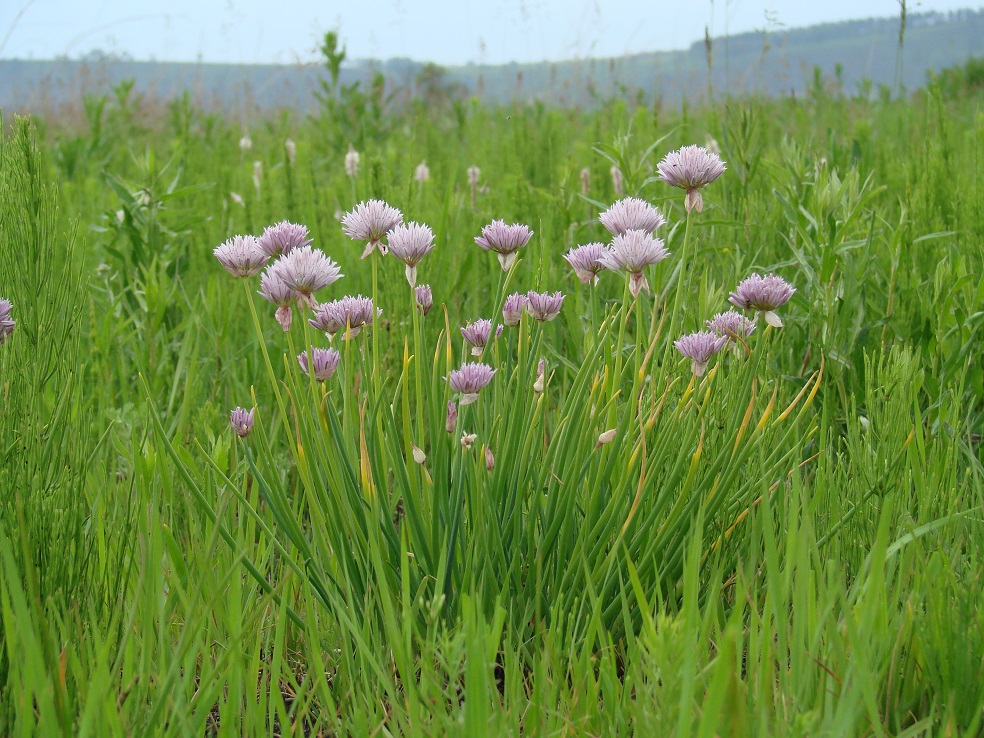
(266, 358)
(376, 378)
(675, 307)
(309, 350)
(417, 355)
(619, 352)
(593, 314)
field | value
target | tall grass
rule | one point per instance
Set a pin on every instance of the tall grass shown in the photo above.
(788, 545)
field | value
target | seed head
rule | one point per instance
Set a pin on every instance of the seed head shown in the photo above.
(690, 169)
(349, 312)
(6, 322)
(544, 306)
(764, 295)
(512, 309)
(370, 221)
(422, 172)
(241, 256)
(585, 260)
(283, 238)
(241, 421)
(632, 252)
(410, 243)
(325, 362)
(306, 270)
(424, 298)
(470, 379)
(585, 181)
(631, 214)
(505, 240)
(473, 174)
(291, 149)
(699, 348)
(731, 324)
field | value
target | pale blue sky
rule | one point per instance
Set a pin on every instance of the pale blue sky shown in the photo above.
(444, 31)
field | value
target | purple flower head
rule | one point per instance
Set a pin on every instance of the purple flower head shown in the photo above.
(241, 256)
(351, 313)
(691, 168)
(274, 289)
(477, 335)
(325, 362)
(283, 237)
(470, 379)
(505, 240)
(632, 252)
(733, 325)
(544, 306)
(371, 221)
(631, 214)
(410, 243)
(241, 421)
(306, 270)
(6, 322)
(424, 298)
(451, 419)
(586, 261)
(764, 295)
(512, 309)
(699, 348)
(489, 459)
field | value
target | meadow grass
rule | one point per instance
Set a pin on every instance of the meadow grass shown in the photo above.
(790, 544)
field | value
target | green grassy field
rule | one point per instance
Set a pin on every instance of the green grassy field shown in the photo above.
(790, 544)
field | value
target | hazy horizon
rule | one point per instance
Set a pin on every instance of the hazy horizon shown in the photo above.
(246, 31)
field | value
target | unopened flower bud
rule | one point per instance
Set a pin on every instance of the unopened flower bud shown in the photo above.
(541, 371)
(418, 455)
(257, 176)
(425, 299)
(607, 437)
(489, 459)
(452, 418)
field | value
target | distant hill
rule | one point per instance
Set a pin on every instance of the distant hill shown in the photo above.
(777, 62)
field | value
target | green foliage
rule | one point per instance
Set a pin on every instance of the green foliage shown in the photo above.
(788, 545)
